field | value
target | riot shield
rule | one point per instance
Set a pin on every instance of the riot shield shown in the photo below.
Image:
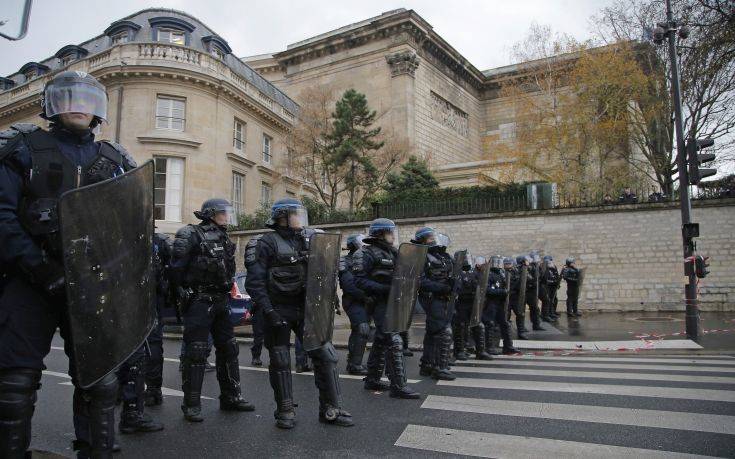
(522, 288)
(579, 283)
(459, 258)
(321, 289)
(480, 294)
(106, 232)
(404, 287)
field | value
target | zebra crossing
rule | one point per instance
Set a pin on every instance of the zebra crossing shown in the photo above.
(580, 406)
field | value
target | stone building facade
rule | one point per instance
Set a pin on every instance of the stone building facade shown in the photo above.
(425, 92)
(177, 95)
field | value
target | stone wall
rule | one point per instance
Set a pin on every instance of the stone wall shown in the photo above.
(632, 253)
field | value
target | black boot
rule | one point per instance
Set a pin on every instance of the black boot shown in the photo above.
(355, 352)
(228, 376)
(406, 351)
(327, 381)
(442, 351)
(192, 378)
(397, 371)
(459, 334)
(521, 329)
(153, 396)
(376, 365)
(279, 373)
(17, 398)
(492, 339)
(133, 418)
(478, 334)
(256, 362)
(100, 406)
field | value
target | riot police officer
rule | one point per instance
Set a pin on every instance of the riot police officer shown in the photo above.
(570, 274)
(154, 365)
(517, 306)
(532, 289)
(461, 328)
(353, 302)
(276, 280)
(36, 168)
(494, 315)
(437, 287)
(548, 286)
(145, 365)
(202, 269)
(372, 266)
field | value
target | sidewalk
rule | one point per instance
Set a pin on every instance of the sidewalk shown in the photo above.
(594, 331)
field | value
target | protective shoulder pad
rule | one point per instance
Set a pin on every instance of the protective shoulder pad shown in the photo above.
(10, 137)
(251, 250)
(128, 161)
(358, 261)
(25, 128)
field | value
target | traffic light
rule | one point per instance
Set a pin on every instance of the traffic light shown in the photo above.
(694, 160)
(701, 266)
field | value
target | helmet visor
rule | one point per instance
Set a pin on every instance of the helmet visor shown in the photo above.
(480, 260)
(229, 216)
(297, 217)
(442, 240)
(75, 97)
(497, 262)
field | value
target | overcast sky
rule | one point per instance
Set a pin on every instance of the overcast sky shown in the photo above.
(483, 31)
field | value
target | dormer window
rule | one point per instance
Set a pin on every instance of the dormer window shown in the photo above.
(120, 37)
(216, 52)
(176, 37)
(69, 54)
(122, 32)
(216, 46)
(171, 30)
(32, 70)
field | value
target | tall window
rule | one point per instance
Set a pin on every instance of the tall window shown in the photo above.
(168, 188)
(170, 113)
(238, 135)
(238, 193)
(267, 140)
(265, 193)
(171, 36)
(66, 60)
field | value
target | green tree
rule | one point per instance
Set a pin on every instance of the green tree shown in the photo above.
(351, 141)
(414, 175)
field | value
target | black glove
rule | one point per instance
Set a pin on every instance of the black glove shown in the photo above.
(48, 275)
(274, 319)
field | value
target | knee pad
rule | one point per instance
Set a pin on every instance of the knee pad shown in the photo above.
(280, 357)
(104, 389)
(326, 353)
(18, 393)
(228, 349)
(197, 351)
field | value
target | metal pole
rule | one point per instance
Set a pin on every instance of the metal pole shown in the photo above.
(693, 325)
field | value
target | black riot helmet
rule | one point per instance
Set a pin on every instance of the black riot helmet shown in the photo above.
(290, 209)
(74, 92)
(354, 242)
(522, 260)
(496, 262)
(507, 262)
(480, 260)
(214, 206)
(431, 237)
(468, 262)
(535, 257)
(570, 261)
(382, 229)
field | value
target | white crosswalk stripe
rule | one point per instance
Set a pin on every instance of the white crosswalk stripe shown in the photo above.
(501, 389)
(482, 444)
(607, 415)
(597, 374)
(617, 366)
